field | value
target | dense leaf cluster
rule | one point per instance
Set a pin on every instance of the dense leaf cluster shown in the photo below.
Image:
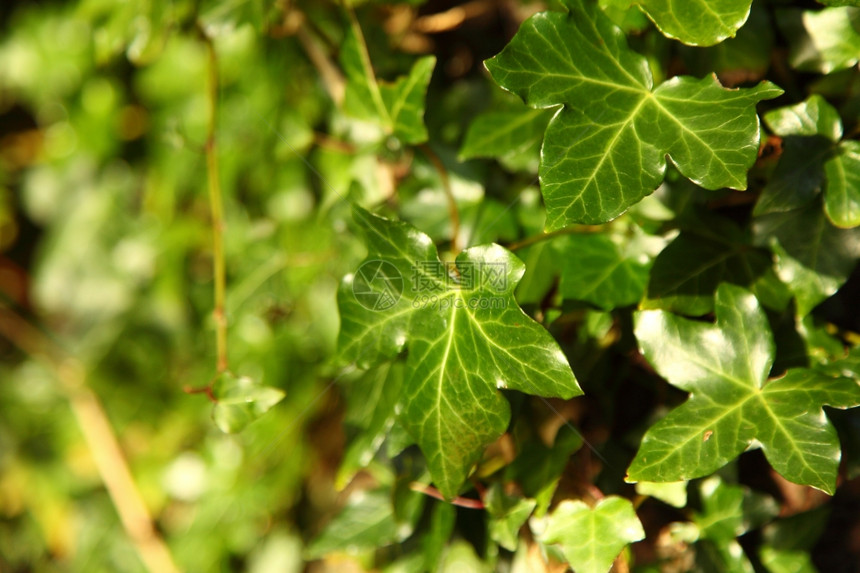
(508, 286)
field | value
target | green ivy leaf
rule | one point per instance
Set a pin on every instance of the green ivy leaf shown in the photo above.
(813, 257)
(822, 40)
(606, 270)
(725, 367)
(465, 334)
(742, 59)
(512, 136)
(624, 14)
(813, 159)
(441, 526)
(728, 511)
(591, 538)
(398, 107)
(507, 515)
(673, 493)
(372, 404)
(842, 195)
(812, 117)
(368, 521)
(240, 401)
(781, 561)
(698, 22)
(788, 541)
(847, 365)
(538, 467)
(686, 274)
(607, 148)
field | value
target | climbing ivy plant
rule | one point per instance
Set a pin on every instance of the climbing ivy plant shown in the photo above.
(634, 173)
(493, 286)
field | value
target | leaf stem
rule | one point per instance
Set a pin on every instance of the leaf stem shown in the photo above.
(332, 79)
(458, 501)
(574, 229)
(217, 212)
(453, 213)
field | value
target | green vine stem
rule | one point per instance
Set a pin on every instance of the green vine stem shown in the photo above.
(529, 241)
(217, 210)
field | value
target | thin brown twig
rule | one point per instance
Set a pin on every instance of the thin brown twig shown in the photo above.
(452, 18)
(435, 493)
(331, 77)
(453, 213)
(99, 437)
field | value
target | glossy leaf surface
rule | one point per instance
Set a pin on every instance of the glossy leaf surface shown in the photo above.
(606, 149)
(465, 334)
(698, 22)
(725, 368)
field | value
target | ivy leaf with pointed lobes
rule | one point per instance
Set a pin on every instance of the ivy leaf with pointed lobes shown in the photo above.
(591, 538)
(606, 148)
(395, 107)
(725, 367)
(465, 334)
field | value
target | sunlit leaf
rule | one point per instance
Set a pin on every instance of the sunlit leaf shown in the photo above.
(725, 367)
(592, 537)
(822, 40)
(240, 401)
(507, 516)
(698, 22)
(398, 107)
(465, 334)
(842, 195)
(606, 149)
(674, 493)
